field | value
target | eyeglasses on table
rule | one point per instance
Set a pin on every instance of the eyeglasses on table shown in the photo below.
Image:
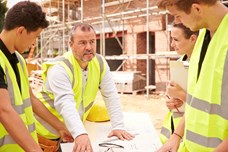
(110, 147)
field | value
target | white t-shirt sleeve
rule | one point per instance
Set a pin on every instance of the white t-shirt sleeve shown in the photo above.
(112, 99)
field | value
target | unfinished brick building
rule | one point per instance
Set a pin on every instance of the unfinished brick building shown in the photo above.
(131, 34)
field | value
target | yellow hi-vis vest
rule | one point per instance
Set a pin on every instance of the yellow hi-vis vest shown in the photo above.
(20, 101)
(206, 116)
(96, 70)
(166, 130)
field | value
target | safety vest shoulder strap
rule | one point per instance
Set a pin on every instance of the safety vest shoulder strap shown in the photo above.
(102, 66)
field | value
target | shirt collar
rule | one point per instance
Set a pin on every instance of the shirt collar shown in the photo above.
(9, 56)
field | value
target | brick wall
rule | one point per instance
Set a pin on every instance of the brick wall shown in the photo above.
(135, 36)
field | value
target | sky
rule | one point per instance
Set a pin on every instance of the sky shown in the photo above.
(10, 3)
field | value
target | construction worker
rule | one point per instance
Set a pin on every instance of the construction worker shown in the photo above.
(183, 41)
(70, 87)
(204, 127)
(23, 24)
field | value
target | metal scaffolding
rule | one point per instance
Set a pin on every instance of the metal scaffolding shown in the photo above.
(55, 37)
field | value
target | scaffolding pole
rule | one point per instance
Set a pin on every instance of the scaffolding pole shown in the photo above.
(63, 19)
(131, 13)
(123, 24)
(82, 9)
(102, 37)
(147, 50)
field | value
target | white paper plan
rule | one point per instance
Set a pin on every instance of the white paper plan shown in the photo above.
(146, 138)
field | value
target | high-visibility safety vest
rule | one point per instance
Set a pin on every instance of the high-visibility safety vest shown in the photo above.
(206, 116)
(166, 130)
(96, 70)
(20, 101)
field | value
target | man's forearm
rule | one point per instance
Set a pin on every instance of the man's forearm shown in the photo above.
(41, 111)
(180, 129)
(9, 118)
(223, 147)
(19, 133)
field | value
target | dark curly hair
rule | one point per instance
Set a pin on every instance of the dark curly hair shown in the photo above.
(27, 14)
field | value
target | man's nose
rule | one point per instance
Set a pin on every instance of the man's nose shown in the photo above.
(88, 46)
(33, 43)
(172, 43)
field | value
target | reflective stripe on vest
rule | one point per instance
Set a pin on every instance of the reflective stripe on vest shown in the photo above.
(47, 98)
(8, 139)
(206, 117)
(20, 101)
(166, 127)
(69, 65)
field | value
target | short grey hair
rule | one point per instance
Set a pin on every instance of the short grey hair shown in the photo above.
(83, 26)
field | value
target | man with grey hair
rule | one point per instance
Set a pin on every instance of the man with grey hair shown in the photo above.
(71, 85)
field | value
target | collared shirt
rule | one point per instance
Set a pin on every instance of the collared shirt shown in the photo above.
(12, 58)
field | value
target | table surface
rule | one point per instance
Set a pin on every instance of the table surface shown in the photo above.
(146, 138)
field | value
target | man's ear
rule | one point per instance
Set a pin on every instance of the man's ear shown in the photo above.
(193, 38)
(196, 8)
(70, 43)
(20, 30)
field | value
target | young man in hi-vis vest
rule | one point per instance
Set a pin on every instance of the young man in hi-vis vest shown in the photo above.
(205, 123)
(23, 24)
